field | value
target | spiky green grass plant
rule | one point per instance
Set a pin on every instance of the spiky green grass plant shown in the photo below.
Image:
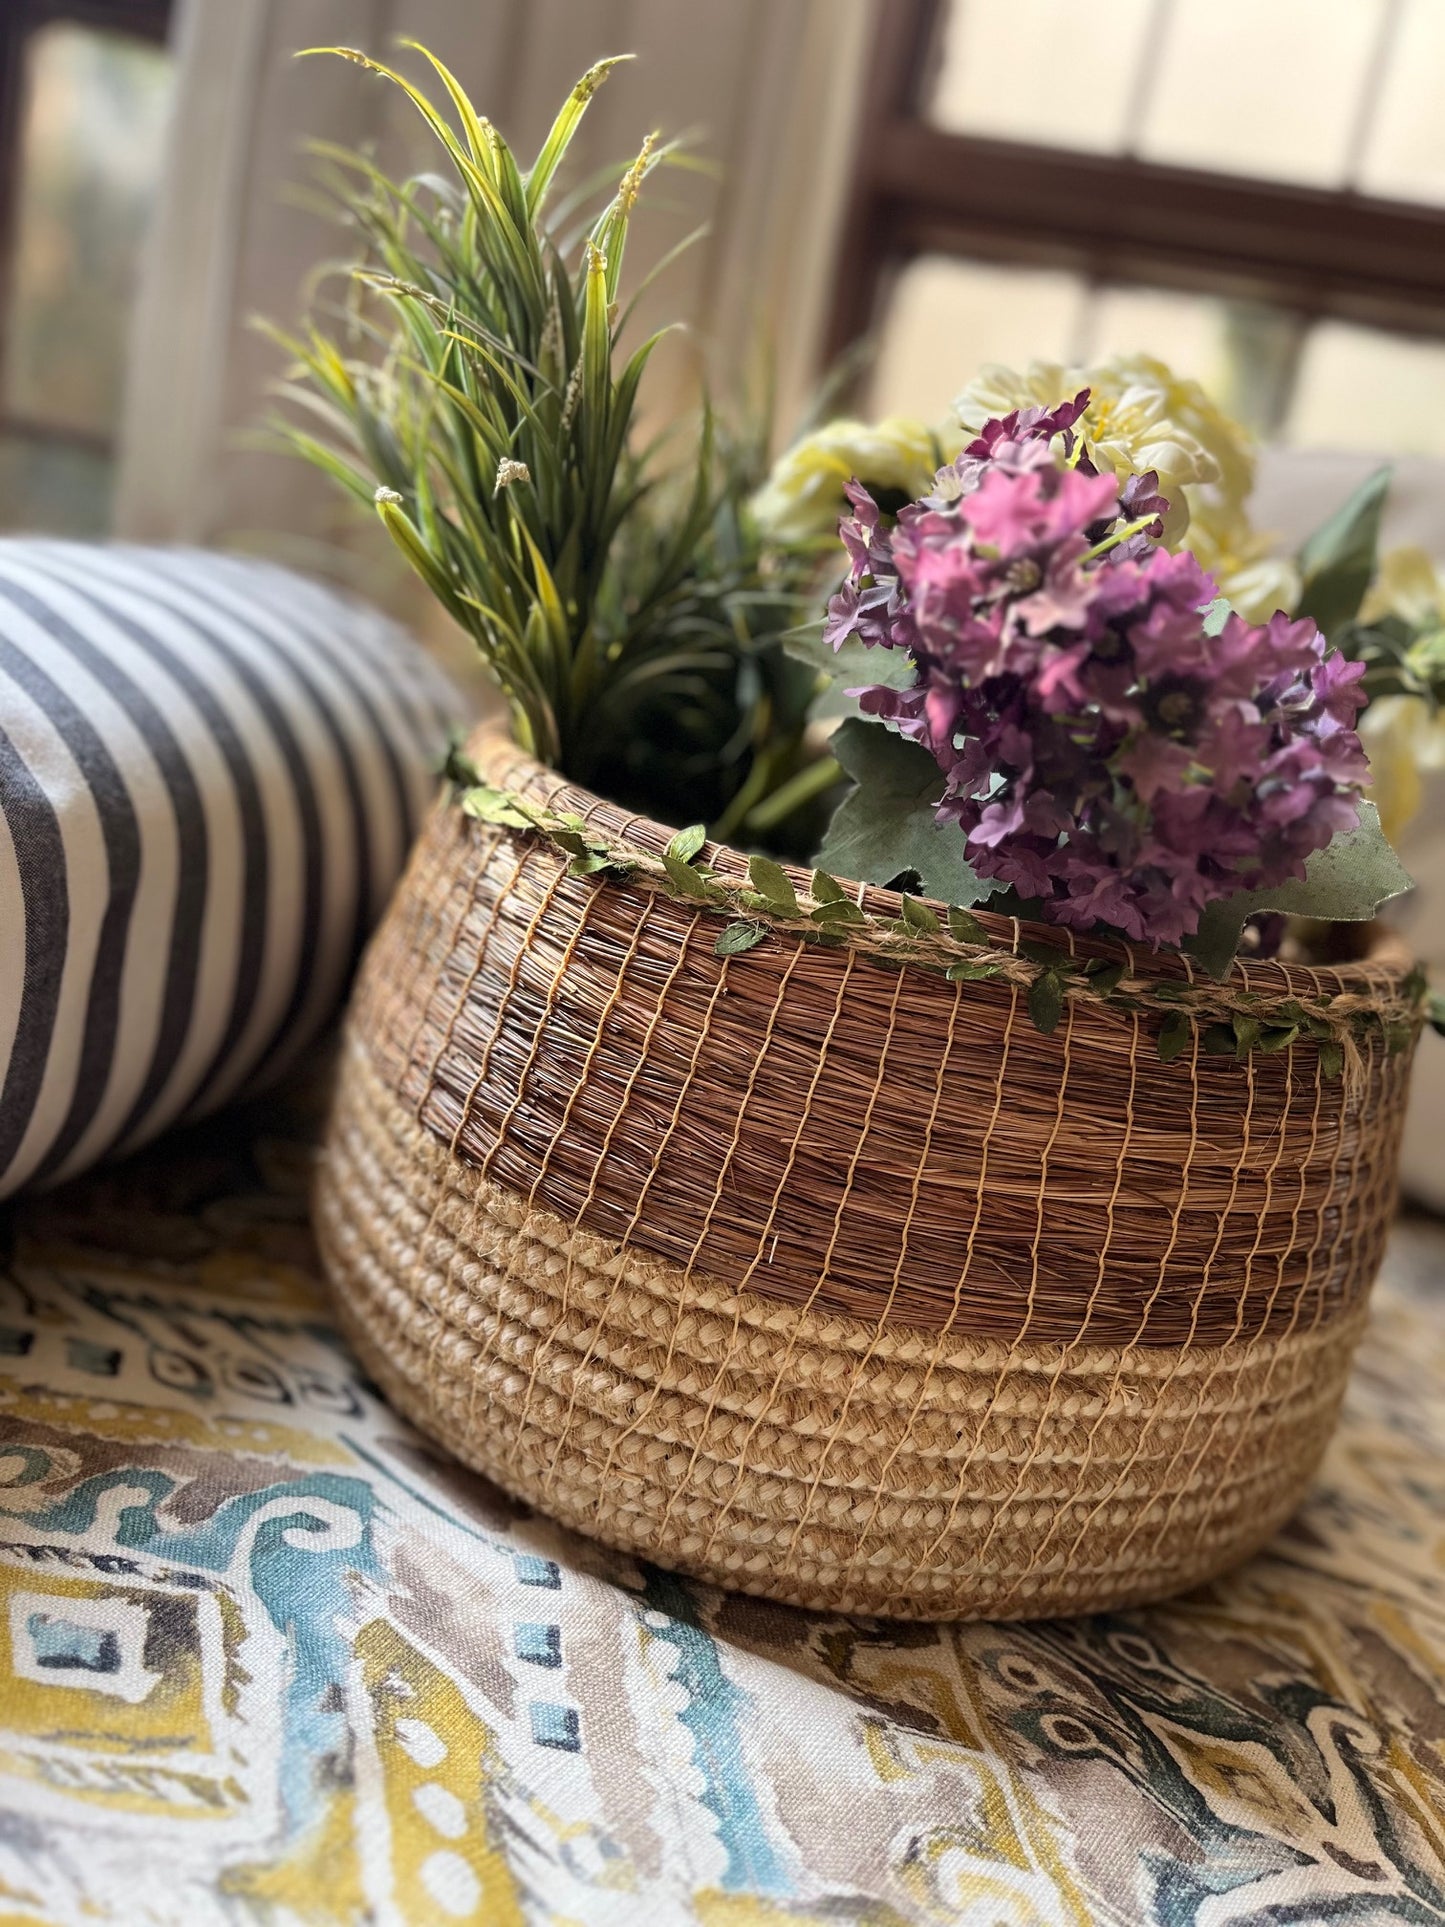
(475, 388)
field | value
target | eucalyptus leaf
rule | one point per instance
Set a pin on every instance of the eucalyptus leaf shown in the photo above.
(919, 917)
(1046, 1001)
(686, 844)
(738, 937)
(1343, 883)
(1216, 615)
(1174, 1035)
(1338, 560)
(684, 876)
(772, 885)
(887, 824)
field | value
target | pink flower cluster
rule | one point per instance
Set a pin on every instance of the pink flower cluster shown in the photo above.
(1102, 752)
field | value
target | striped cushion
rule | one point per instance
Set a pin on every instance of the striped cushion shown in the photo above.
(210, 771)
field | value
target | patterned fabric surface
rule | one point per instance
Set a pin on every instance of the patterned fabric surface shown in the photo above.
(268, 1659)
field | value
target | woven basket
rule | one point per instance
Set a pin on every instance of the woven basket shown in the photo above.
(839, 1283)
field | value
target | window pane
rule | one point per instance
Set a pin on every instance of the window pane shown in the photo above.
(53, 487)
(1274, 88)
(989, 79)
(947, 318)
(90, 161)
(1188, 331)
(1405, 152)
(1359, 388)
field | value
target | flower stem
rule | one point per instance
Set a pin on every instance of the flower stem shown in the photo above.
(1119, 535)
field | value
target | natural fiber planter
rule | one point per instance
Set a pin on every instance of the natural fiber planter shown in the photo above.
(838, 1282)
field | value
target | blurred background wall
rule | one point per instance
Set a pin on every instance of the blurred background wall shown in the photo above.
(1253, 190)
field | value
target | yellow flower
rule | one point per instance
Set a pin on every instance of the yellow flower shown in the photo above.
(803, 497)
(1403, 735)
(1141, 415)
(1406, 584)
(1252, 575)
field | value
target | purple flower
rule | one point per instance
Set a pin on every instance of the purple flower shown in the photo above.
(1100, 750)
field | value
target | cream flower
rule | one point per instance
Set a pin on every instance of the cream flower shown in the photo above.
(803, 497)
(1252, 575)
(1141, 415)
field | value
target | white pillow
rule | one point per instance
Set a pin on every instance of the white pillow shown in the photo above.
(210, 772)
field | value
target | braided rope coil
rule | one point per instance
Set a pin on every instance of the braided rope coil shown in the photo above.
(805, 1457)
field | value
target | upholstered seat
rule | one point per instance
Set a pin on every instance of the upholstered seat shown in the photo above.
(270, 1659)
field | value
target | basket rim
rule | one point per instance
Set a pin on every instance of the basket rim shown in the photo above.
(1381, 974)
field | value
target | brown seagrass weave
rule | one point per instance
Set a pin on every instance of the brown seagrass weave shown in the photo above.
(839, 1282)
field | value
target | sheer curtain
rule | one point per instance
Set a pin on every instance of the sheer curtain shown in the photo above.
(769, 93)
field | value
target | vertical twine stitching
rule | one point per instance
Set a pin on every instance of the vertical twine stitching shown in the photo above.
(918, 1175)
(788, 1350)
(1227, 1409)
(1127, 1355)
(978, 1449)
(549, 1338)
(680, 1309)
(715, 1389)
(539, 1029)
(941, 1341)
(1181, 1444)
(1071, 1350)
(499, 1017)
(1283, 1342)
(620, 1262)
(443, 1183)
(1305, 1350)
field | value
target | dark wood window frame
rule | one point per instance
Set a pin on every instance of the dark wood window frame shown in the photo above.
(919, 190)
(19, 20)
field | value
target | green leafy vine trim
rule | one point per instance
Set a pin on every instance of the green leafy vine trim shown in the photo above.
(1226, 1021)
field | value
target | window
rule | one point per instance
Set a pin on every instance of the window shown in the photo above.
(1252, 189)
(84, 91)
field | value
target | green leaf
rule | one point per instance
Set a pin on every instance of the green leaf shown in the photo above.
(1332, 1061)
(1219, 1041)
(1338, 561)
(591, 865)
(919, 917)
(1104, 977)
(1043, 953)
(1343, 883)
(971, 970)
(965, 928)
(771, 883)
(1277, 1038)
(827, 889)
(886, 826)
(494, 806)
(853, 666)
(685, 877)
(1046, 1001)
(1216, 615)
(1246, 1034)
(1175, 1034)
(1435, 1011)
(840, 910)
(739, 937)
(686, 844)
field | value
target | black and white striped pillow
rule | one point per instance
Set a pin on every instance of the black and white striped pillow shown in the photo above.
(210, 771)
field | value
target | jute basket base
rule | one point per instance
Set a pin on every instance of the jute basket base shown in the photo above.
(813, 1459)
